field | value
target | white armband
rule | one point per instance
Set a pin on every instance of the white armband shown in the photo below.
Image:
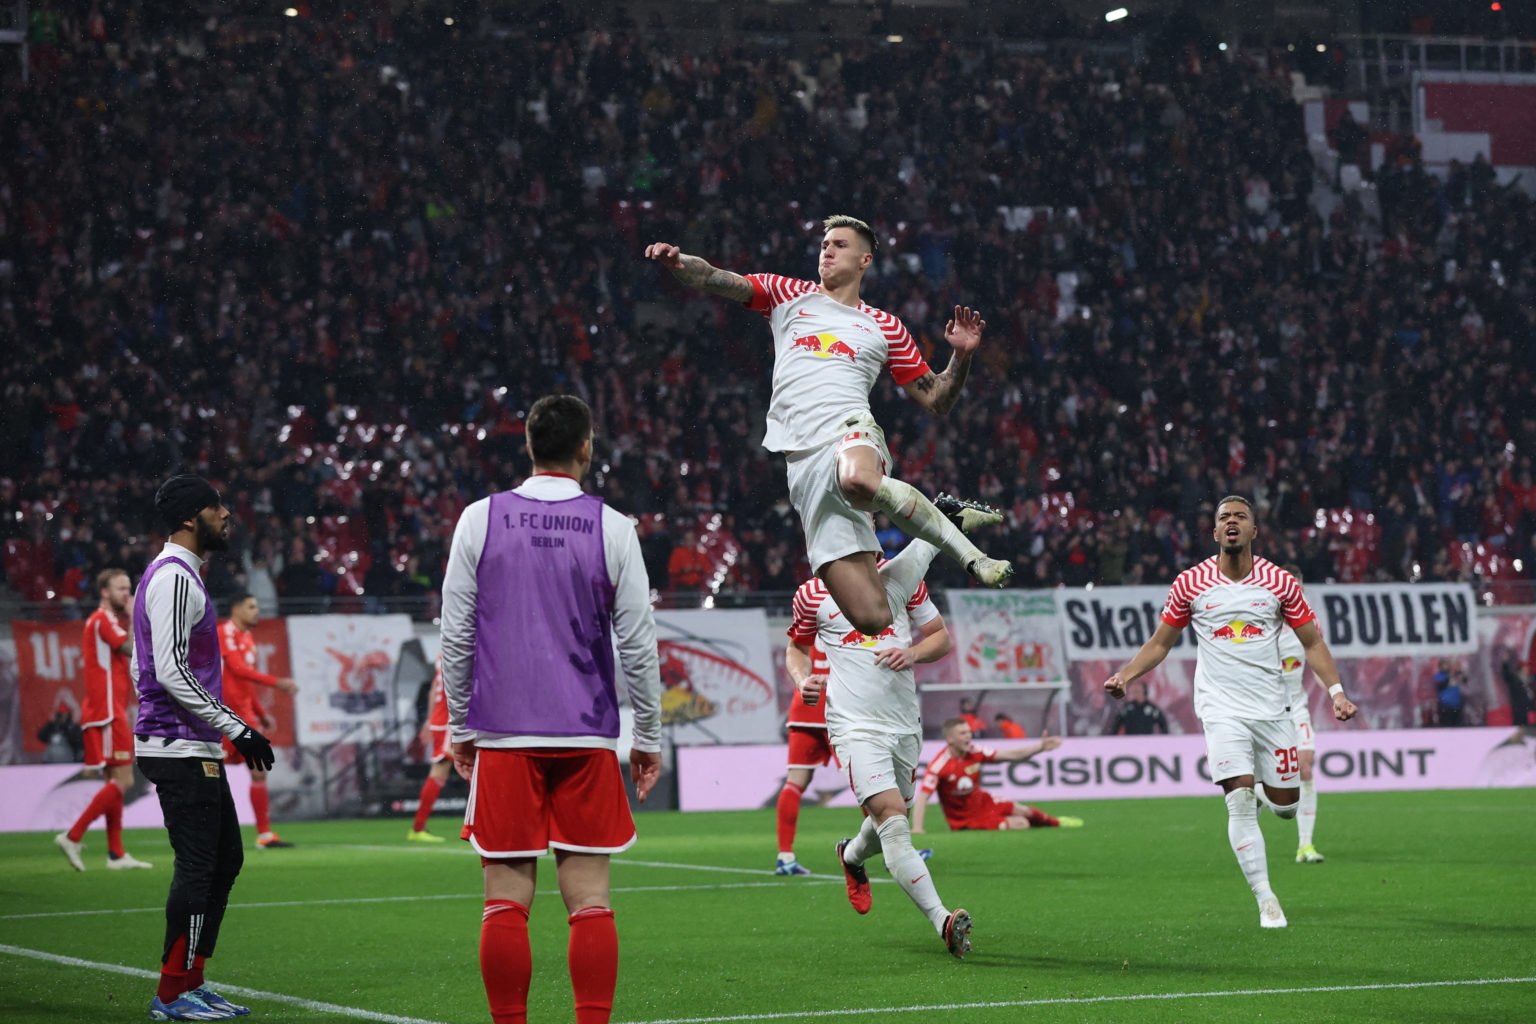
(1335, 689)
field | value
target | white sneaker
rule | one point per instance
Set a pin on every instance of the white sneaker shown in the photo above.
(127, 862)
(991, 572)
(1270, 914)
(71, 850)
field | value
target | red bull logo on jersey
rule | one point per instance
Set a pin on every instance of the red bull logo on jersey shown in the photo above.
(825, 346)
(1238, 632)
(1291, 664)
(853, 638)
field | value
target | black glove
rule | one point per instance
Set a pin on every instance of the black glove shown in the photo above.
(256, 750)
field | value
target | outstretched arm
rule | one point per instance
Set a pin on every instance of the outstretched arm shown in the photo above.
(1148, 658)
(1047, 742)
(938, 392)
(697, 272)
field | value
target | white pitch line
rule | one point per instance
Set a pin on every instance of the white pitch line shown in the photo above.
(395, 899)
(618, 861)
(1082, 1000)
(233, 990)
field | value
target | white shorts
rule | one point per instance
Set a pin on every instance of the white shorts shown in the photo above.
(1305, 740)
(1267, 750)
(876, 763)
(834, 528)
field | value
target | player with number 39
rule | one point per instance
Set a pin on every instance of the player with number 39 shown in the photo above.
(1237, 604)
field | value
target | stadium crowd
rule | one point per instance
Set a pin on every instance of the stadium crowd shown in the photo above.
(330, 264)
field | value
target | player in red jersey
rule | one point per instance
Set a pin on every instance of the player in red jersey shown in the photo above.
(829, 349)
(237, 644)
(108, 733)
(955, 776)
(442, 762)
(1237, 604)
(809, 749)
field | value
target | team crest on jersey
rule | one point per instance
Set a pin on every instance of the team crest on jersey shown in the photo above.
(1290, 664)
(825, 346)
(853, 638)
(1238, 632)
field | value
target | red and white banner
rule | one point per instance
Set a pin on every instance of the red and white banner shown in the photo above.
(717, 676)
(345, 668)
(1348, 761)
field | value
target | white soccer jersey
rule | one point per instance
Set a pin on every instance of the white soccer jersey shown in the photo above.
(862, 696)
(1293, 665)
(1238, 626)
(826, 358)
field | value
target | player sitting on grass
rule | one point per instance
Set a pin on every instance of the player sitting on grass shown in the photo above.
(956, 776)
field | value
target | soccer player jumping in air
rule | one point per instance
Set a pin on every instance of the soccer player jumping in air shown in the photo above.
(829, 348)
(1237, 604)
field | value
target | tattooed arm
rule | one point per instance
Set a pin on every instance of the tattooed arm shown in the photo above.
(938, 392)
(697, 273)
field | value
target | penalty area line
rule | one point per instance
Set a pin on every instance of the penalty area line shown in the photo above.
(1084, 1000)
(227, 990)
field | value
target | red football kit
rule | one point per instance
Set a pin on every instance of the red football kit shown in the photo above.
(104, 717)
(957, 780)
(238, 646)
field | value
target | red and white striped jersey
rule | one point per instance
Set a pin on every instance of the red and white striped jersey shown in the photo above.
(861, 696)
(1237, 626)
(826, 358)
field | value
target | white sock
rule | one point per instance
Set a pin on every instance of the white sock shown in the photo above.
(1262, 800)
(786, 856)
(910, 872)
(916, 516)
(903, 574)
(1306, 821)
(864, 845)
(1247, 841)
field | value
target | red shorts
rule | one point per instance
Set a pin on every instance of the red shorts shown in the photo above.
(988, 819)
(442, 749)
(526, 801)
(809, 748)
(109, 744)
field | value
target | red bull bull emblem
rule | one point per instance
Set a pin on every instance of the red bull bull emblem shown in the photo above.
(824, 346)
(853, 638)
(1238, 632)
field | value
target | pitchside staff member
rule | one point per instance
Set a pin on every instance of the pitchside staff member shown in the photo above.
(177, 669)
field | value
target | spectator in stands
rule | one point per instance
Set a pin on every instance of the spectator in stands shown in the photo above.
(688, 568)
(1449, 695)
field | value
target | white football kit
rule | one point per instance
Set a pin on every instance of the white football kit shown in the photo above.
(1240, 696)
(1293, 666)
(826, 359)
(874, 719)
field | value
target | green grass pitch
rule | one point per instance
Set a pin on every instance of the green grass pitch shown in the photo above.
(1140, 916)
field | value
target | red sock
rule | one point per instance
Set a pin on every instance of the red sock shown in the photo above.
(93, 810)
(195, 976)
(505, 961)
(429, 791)
(259, 804)
(789, 815)
(115, 824)
(174, 973)
(1039, 818)
(593, 956)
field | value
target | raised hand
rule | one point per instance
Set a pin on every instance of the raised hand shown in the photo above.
(964, 332)
(665, 253)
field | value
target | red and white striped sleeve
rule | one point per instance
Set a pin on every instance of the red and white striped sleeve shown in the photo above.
(1293, 605)
(802, 625)
(770, 290)
(906, 363)
(1181, 595)
(921, 607)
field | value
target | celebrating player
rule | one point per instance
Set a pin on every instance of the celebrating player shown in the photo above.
(1237, 604)
(955, 775)
(1292, 668)
(875, 725)
(238, 646)
(442, 762)
(108, 734)
(828, 350)
(542, 581)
